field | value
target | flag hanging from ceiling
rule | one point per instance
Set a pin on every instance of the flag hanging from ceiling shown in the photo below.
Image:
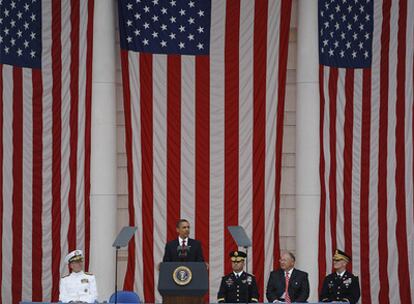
(45, 116)
(204, 88)
(366, 129)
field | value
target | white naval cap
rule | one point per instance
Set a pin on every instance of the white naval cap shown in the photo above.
(73, 256)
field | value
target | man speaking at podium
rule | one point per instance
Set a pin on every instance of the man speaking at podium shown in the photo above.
(183, 249)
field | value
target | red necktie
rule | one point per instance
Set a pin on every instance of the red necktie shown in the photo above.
(287, 297)
(184, 248)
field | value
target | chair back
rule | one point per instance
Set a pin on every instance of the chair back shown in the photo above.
(125, 297)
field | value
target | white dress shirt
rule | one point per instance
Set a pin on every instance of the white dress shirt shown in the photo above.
(78, 287)
(289, 272)
(180, 241)
(341, 274)
(290, 276)
(238, 274)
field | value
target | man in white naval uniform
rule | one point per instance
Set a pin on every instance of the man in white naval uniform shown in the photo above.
(78, 286)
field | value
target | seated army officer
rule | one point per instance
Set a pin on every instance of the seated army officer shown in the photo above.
(238, 286)
(341, 285)
(78, 286)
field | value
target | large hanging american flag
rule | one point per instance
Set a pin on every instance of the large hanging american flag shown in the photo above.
(45, 100)
(204, 87)
(366, 131)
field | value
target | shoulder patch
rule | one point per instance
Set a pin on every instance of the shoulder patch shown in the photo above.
(65, 276)
(88, 273)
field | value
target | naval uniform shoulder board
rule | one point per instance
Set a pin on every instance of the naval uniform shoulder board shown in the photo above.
(88, 273)
(66, 275)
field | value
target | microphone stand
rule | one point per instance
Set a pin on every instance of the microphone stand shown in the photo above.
(122, 240)
(247, 269)
(247, 258)
(182, 252)
(116, 274)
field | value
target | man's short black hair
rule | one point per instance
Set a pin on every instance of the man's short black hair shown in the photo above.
(181, 221)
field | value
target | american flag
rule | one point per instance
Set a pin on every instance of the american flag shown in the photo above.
(45, 100)
(366, 130)
(204, 88)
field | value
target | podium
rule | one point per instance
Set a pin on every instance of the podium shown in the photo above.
(183, 282)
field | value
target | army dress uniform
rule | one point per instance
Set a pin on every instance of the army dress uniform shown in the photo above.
(343, 288)
(238, 290)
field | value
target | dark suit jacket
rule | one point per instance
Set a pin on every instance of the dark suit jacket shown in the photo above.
(298, 286)
(194, 252)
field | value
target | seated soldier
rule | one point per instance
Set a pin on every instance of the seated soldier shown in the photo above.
(238, 286)
(341, 285)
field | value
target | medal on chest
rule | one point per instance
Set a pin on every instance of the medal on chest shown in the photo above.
(229, 282)
(347, 282)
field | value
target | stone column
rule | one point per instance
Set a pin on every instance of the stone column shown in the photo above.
(307, 143)
(104, 149)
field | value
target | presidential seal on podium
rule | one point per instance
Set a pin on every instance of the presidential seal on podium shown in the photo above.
(182, 275)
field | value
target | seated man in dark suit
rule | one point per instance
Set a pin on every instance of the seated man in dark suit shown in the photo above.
(287, 284)
(341, 285)
(183, 249)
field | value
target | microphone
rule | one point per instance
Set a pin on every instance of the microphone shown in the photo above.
(183, 250)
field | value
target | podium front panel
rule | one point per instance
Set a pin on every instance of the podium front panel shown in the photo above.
(174, 279)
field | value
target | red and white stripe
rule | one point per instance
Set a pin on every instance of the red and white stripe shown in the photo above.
(203, 142)
(45, 142)
(367, 161)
